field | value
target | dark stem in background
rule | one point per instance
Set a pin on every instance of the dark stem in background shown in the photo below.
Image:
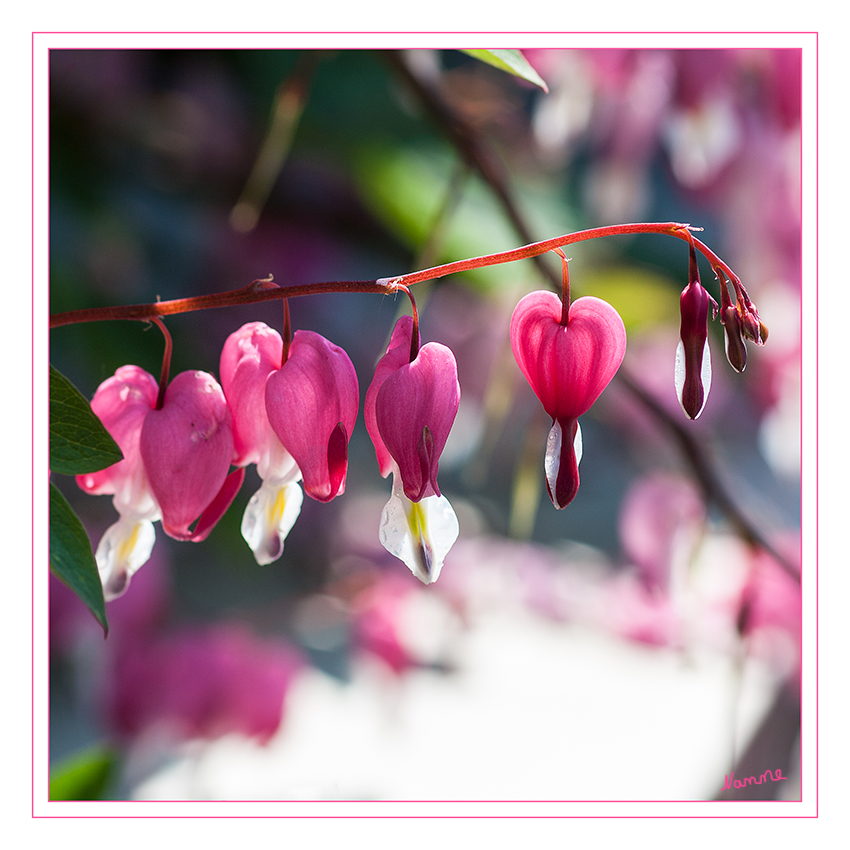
(469, 145)
(289, 102)
(705, 473)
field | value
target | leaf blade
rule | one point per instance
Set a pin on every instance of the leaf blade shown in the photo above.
(78, 441)
(71, 558)
(511, 61)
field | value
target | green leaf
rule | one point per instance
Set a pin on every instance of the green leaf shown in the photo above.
(83, 776)
(71, 558)
(511, 61)
(78, 441)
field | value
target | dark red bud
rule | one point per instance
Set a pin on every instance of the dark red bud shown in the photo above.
(736, 348)
(693, 367)
(752, 326)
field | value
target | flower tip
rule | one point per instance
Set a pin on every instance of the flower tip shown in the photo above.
(561, 464)
(418, 533)
(692, 378)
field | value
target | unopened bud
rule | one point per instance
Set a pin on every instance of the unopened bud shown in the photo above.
(736, 348)
(693, 358)
(752, 326)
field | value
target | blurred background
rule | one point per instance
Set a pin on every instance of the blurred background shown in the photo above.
(641, 644)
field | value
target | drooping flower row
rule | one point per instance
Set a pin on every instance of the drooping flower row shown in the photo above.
(293, 417)
(291, 410)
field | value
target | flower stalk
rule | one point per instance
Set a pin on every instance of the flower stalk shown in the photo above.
(259, 291)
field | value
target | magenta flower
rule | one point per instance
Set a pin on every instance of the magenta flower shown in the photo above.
(249, 356)
(568, 367)
(186, 448)
(409, 411)
(311, 403)
(174, 468)
(661, 521)
(121, 403)
(397, 355)
(202, 683)
(415, 405)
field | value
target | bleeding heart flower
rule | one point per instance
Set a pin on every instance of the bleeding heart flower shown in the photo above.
(249, 356)
(397, 355)
(121, 403)
(311, 403)
(409, 410)
(568, 366)
(187, 447)
(415, 405)
(174, 468)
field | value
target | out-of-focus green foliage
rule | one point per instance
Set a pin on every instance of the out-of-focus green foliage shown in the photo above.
(84, 776)
(644, 300)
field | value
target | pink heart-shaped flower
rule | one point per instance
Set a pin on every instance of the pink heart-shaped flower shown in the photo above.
(568, 366)
(312, 402)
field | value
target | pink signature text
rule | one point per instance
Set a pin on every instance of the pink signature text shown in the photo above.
(730, 781)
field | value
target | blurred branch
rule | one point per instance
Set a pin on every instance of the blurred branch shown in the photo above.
(475, 152)
(289, 102)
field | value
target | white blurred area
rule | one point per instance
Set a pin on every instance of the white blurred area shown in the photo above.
(533, 707)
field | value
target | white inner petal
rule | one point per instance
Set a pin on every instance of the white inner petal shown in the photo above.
(706, 373)
(680, 370)
(418, 533)
(269, 517)
(124, 547)
(552, 461)
(577, 444)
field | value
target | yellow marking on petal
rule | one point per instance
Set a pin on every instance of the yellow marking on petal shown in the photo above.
(274, 513)
(128, 545)
(417, 522)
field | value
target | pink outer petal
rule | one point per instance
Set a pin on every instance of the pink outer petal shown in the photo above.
(219, 505)
(415, 409)
(248, 357)
(122, 402)
(569, 366)
(398, 355)
(187, 447)
(312, 402)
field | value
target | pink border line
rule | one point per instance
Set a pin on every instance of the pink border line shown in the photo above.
(461, 802)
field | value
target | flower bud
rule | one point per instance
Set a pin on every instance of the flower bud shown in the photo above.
(736, 348)
(693, 358)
